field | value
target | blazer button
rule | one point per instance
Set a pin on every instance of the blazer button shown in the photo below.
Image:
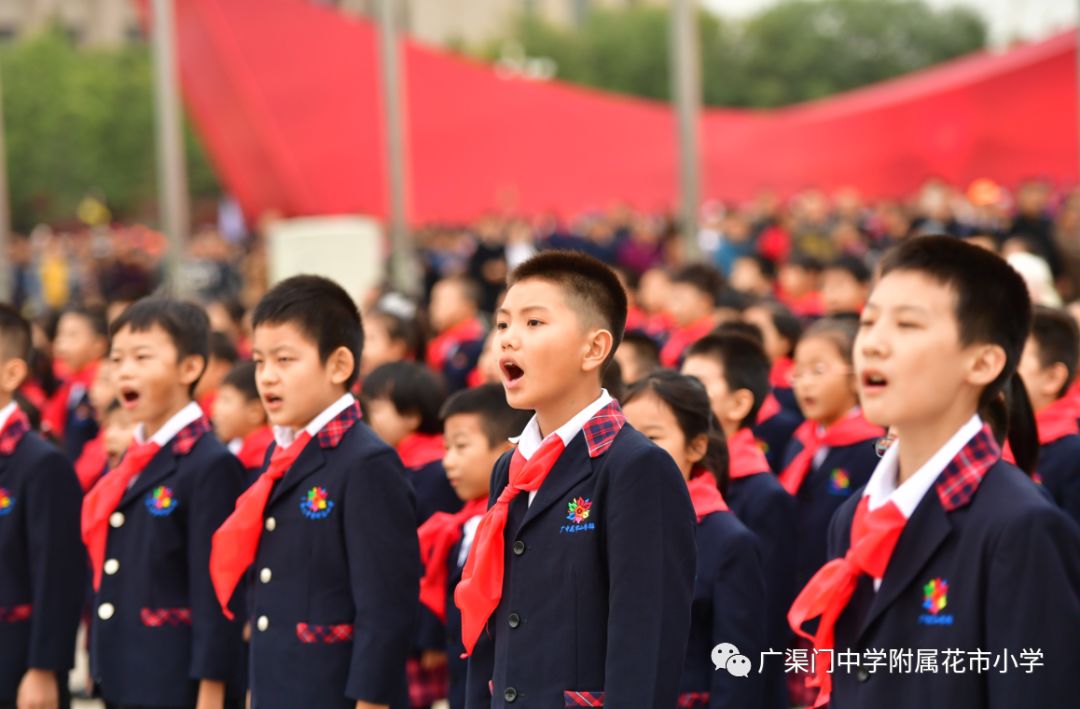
(519, 548)
(105, 611)
(271, 523)
(265, 575)
(510, 695)
(262, 623)
(514, 620)
(116, 520)
(111, 567)
(862, 675)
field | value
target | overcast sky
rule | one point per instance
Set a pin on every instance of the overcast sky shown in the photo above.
(1008, 19)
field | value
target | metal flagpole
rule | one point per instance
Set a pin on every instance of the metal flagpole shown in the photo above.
(403, 270)
(172, 172)
(686, 81)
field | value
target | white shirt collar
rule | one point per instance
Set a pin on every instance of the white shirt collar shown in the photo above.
(530, 440)
(235, 446)
(6, 412)
(180, 420)
(882, 488)
(284, 435)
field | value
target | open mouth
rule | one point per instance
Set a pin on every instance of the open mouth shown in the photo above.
(873, 382)
(272, 401)
(512, 372)
(129, 398)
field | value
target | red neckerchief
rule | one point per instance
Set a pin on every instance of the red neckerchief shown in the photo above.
(206, 402)
(438, 535)
(54, 417)
(780, 375)
(704, 494)
(252, 453)
(92, 461)
(418, 449)
(746, 455)
(683, 337)
(849, 430)
(769, 408)
(439, 348)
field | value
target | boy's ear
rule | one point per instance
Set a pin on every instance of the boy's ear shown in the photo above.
(191, 368)
(597, 349)
(741, 401)
(1054, 380)
(340, 364)
(13, 372)
(987, 362)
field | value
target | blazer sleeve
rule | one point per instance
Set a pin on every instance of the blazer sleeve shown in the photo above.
(216, 645)
(1033, 603)
(651, 557)
(739, 605)
(57, 562)
(384, 571)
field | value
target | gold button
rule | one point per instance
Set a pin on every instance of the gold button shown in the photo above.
(116, 520)
(265, 575)
(105, 611)
(263, 623)
(270, 524)
(112, 566)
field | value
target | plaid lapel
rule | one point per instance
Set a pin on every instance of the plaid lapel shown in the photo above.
(332, 433)
(15, 428)
(961, 478)
(189, 435)
(601, 429)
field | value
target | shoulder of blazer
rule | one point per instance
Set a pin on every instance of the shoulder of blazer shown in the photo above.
(1006, 492)
(627, 447)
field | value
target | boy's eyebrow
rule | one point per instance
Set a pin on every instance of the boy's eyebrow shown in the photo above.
(526, 309)
(899, 308)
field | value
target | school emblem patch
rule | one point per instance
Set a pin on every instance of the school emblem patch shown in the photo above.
(316, 504)
(161, 501)
(7, 502)
(577, 513)
(935, 598)
(839, 482)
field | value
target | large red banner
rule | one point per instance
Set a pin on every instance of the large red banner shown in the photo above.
(285, 95)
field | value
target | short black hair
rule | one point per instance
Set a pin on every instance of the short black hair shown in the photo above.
(94, 316)
(853, 266)
(1058, 339)
(242, 378)
(233, 308)
(702, 277)
(745, 364)
(805, 261)
(838, 330)
(786, 322)
(646, 351)
(741, 327)
(222, 348)
(185, 323)
(319, 308)
(765, 266)
(488, 401)
(402, 329)
(15, 336)
(593, 290)
(412, 388)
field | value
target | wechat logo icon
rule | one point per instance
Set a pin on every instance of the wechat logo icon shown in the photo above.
(725, 656)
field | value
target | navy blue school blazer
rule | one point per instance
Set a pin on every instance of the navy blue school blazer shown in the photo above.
(1006, 566)
(600, 606)
(42, 561)
(728, 607)
(827, 486)
(157, 625)
(1059, 471)
(80, 427)
(776, 433)
(337, 591)
(457, 666)
(434, 493)
(768, 511)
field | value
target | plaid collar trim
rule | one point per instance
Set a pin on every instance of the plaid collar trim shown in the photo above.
(14, 429)
(331, 434)
(601, 429)
(960, 480)
(189, 435)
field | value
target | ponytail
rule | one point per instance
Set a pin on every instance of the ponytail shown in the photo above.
(717, 459)
(1011, 417)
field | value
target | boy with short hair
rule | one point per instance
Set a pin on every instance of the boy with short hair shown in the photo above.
(330, 524)
(158, 636)
(240, 419)
(459, 333)
(42, 562)
(735, 372)
(845, 284)
(638, 355)
(81, 342)
(478, 424)
(695, 293)
(947, 549)
(1048, 368)
(596, 521)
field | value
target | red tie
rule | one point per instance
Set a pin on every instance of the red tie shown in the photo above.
(103, 499)
(873, 537)
(845, 432)
(233, 547)
(704, 494)
(438, 535)
(480, 589)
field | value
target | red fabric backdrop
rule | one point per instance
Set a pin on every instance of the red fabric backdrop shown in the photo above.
(285, 96)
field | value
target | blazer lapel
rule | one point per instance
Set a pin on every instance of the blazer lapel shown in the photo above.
(160, 466)
(926, 530)
(572, 467)
(311, 459)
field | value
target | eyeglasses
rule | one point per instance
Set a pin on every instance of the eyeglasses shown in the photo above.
(816, 371)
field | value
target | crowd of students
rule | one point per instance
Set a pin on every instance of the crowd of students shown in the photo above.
(552, 483)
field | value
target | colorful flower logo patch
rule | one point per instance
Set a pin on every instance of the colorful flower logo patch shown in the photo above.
(935, 595)
(839, 482)
(161, 501)
(578, 510)
(316, 504)
(7, 502)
